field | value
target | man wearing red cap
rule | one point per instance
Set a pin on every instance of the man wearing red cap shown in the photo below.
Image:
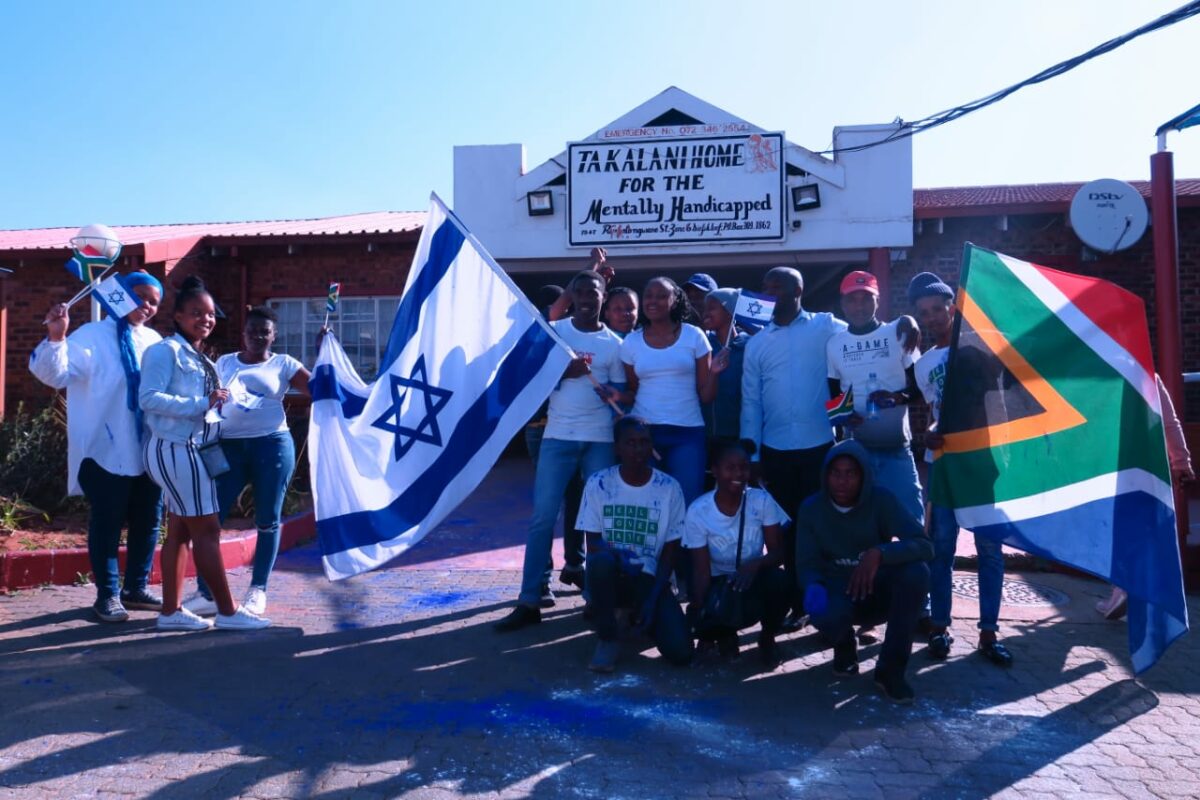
(875, 361)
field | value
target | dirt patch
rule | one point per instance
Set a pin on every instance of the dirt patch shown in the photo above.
(69, 531)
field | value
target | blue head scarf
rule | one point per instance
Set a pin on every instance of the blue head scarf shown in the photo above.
(129, 362)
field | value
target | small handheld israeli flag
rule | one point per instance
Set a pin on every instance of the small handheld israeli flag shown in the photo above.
(753, 310)
(115, 297)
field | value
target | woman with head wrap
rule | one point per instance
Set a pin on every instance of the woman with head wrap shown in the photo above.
(100, 367)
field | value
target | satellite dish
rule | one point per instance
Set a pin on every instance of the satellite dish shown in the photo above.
(1109, 215)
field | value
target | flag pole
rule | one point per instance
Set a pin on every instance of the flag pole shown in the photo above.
(86, 290)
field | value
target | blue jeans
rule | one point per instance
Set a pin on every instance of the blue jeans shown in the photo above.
(683, 456)
(118, 501)
(611, 588)
(558, 461)
(943, 529)
(897, 597)
(266, 463)
(896, 471)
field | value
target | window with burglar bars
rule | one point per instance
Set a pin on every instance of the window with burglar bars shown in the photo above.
(362, 325)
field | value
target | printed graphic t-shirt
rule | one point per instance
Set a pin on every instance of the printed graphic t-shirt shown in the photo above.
(577, 414)
(852, 358)
(638, 518)
(931, 378)
(256, 392)
(708, 526)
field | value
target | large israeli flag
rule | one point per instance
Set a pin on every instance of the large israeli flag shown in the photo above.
(468, 363)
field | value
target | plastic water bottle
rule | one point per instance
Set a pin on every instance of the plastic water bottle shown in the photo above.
(872, 388)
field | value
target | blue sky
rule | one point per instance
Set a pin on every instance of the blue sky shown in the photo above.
(132, 112)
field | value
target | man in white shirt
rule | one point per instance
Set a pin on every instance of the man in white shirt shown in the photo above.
(783, 401)
(875, 360)
(578, 436)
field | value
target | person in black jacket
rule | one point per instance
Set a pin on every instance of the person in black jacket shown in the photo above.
(860, 559)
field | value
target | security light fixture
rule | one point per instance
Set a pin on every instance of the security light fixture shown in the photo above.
(541, 203)
(806, 197)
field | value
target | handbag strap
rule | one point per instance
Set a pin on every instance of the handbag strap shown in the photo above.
(737, 563)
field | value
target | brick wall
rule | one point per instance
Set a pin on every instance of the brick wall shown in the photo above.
(1047, 240)
(271, 272)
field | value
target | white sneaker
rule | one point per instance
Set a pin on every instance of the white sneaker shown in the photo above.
(200, 605)
(182, 620)
(241, 620)
(256, 601)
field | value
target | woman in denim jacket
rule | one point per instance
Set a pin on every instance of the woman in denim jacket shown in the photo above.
(179, 386)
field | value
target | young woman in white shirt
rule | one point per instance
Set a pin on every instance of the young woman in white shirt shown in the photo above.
(751, 570)
(257, 445)
(100, 367)
(669, 372)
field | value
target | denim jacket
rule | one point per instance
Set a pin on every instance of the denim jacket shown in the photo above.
(174, 393)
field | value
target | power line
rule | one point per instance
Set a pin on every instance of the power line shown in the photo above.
(907, 130)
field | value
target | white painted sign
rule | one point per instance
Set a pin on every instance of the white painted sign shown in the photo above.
(699, 189)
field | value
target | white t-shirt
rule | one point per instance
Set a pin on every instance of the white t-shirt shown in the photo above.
(707, 526)
(852, 358)
(577, 414)
(638, 518)
(931, 378)
(255, 407)
(667, 392)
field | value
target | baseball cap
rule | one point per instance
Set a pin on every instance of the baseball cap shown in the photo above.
(702, 280)
(859, 281)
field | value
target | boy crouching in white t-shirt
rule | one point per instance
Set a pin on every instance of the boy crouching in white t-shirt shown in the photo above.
(633, 517)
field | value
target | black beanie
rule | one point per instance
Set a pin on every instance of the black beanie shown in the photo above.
(926, 284)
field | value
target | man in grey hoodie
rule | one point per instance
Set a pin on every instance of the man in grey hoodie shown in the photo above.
(860, 559)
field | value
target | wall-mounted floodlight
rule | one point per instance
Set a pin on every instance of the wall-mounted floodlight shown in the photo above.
(806, 197)
(541, 203)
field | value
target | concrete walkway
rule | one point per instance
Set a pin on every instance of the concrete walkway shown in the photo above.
(394, 685)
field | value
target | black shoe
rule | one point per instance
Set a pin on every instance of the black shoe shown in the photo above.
(866, 635)
(572, 576)
(141, 600)
(727, 645)
(939, 645)
(845, 657)
(519, 617)
(768, 650)
(895, 687)
(110, 610)
(996, 653)
(795, 621)
(547, 598)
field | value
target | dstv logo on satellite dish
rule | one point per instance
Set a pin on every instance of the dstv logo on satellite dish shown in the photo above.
(1104, 199)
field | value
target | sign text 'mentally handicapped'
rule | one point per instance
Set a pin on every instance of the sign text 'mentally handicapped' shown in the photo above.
(719, 188)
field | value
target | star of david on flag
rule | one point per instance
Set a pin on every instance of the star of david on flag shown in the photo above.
(753, 310)
(468, 363)
(115, 297)
(434, 400)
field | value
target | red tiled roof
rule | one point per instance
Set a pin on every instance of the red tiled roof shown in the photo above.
(1022, 198)
(371, 222)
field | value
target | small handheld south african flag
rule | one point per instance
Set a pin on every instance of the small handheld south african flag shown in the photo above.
(331, 300)
(840, 408)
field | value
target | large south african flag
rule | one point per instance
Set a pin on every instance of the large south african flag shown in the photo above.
(1054, 439)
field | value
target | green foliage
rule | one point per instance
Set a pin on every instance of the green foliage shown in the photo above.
(14, 511)
(33, 457)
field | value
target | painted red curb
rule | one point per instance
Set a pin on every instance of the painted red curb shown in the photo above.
(27, 569)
